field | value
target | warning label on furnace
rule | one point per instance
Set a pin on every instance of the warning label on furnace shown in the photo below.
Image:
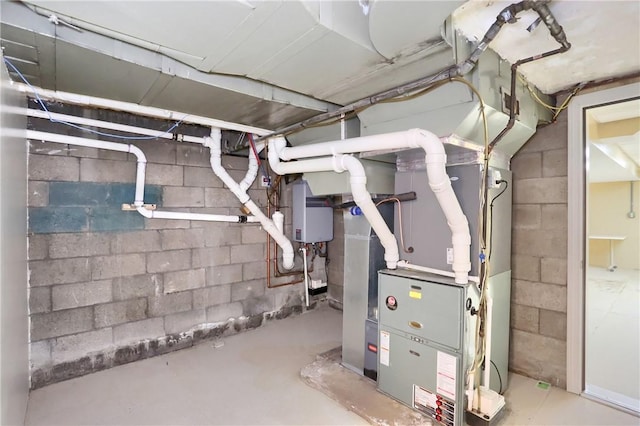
(384, 347)
(446, 379)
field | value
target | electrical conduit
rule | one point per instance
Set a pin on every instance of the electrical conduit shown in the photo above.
(240, 191)
(439, 182)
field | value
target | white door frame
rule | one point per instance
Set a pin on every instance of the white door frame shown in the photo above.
(576, 224)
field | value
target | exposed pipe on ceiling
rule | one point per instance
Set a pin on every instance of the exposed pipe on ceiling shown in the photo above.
(506, 16)
(438, 179)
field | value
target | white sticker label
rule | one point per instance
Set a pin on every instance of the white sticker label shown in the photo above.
(449, 255)
(446, 380)
(384, 347)
(423, 397)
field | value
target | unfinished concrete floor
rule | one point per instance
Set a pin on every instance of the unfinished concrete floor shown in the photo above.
(255, 379)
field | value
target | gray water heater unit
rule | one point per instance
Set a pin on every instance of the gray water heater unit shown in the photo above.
(312, 216)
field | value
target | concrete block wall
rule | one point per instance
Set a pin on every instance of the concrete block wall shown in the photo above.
(539, 256)
(108, 286)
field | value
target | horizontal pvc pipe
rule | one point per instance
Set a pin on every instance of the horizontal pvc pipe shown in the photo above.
(406, 265)
(439, 181)
(83, 121)
(166, 114)
(154, 214)
(140, 176)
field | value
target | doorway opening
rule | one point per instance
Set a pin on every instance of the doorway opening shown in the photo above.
(603, 329)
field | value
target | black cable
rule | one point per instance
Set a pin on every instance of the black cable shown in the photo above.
(506, 185)
(499, 377)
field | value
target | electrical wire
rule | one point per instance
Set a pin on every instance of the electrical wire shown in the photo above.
(499, 376)
(394, 199)
(86, 129)
(255, 153)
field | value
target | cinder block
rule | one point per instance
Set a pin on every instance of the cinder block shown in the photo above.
(183, 197)
(527, 216)
(94, 170)
(525, 268)
(210, 296)
(83, 294)
(183, 280)
(193, 155)
(120, 265)
(106, 219)
(247, 289)
(223, 236)
(77, 245)
(211, 256)
(199, 176)
(39, 354)
(554, 216)
(117, 313)
(258, 195)
(39, 300)
(247, 253)
(158, 152)
(86, 152)
(174, 260)
(220, 197)
(170, 304)
(43, 147)
(137, 286)
(554, 270)
(224, 274)
(53, 167)
(540, 191)
(538, 356)
(137, 331)
(554, 163)
(527, 165)
(539, 295)
(172, 239)
(258, 305)
(60, 323)
(221, 313)
(549, 137)
(553, 324)
(92, 194)
(164, 174)
(253, 234)
(135, 242)
(38, 246)
(62, 271)
(254, 270)
(38, 194)
(46, 220)
(539, 243)
(69, 348)
(184, 321)
(524, 318)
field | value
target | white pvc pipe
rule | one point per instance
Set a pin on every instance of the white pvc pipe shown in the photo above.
(486, 378)
(83, 121)
(306, 279)
(148, 111)
(252, 171)
(358, 181)
(406, 265)
(362, 198)
(213, 143)
(438, 179)
(278, 219)
(140, 176)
